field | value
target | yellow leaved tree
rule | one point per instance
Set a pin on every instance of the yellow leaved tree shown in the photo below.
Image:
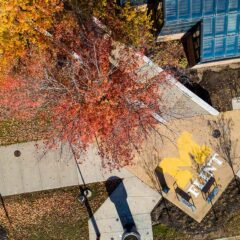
(128, 24)
(21, 25)
(136, 25)
(131, 25)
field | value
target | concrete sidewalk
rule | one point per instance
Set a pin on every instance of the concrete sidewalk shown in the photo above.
(140, 200)
(35, 171)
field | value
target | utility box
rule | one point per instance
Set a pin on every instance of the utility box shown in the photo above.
(236, 103)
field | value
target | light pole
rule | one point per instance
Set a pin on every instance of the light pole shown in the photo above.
(83, 196)
(85, 192)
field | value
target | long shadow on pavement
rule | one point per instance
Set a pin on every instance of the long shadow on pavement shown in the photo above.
(119, 198)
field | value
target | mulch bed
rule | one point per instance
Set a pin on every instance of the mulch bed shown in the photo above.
(223, 86)
(225, 221)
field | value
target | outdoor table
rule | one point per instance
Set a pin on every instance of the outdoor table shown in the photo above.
(183, 194)
(208, 185)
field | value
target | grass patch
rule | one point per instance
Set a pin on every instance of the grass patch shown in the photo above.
(53, 214)
(18, 131)
(230, 229)
(165, 232)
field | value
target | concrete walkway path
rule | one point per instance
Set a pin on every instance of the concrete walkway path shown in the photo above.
(34, 170)
(132, 201)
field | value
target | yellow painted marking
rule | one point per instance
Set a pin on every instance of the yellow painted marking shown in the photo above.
(182, 168)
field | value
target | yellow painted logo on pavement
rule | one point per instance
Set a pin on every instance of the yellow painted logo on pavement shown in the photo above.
(183, 168)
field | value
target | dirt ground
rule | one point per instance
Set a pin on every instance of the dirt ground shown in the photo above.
(222, 83)
(222, 221)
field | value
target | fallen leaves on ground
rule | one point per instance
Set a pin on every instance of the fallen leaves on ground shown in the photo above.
(54, 214)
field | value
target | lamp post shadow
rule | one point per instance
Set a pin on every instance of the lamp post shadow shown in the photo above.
(90, 213)
(119, 199)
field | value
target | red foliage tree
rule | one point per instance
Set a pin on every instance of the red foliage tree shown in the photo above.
(90, 99)
(18, 98)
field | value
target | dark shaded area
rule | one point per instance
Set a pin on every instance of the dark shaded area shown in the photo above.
(208, 185)
(133, 2)
(156, 15)
(223, 86)
(224, 209)
(3, 233)
(119, 198)
(161, 179)
(190, 80)
(182, 194)
(196, 88)
(112, 183)
(191, 45)
(61, 60)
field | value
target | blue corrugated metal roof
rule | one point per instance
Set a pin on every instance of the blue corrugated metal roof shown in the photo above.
(220, 37)
(220, 27)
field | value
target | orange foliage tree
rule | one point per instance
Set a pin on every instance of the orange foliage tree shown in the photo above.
(89, 100)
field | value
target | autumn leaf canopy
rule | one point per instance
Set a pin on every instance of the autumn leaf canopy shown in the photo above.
(88, 95)
(21, 24)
